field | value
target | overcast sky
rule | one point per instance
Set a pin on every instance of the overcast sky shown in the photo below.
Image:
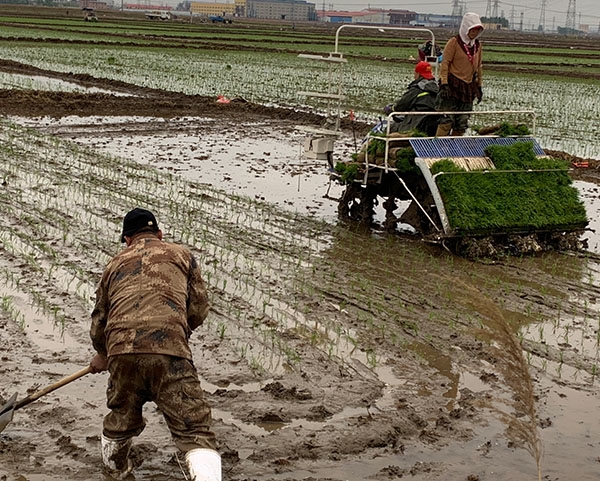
(556, 10)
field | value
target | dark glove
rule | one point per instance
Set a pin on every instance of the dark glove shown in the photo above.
(388, 109)
(479, 95)
(445, 92)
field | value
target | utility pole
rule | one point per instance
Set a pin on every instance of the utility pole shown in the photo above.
(488, 10)
(512, 18)
(521, 22)
(456, 12)
(495, 10)
(542, 24)
(571, 16)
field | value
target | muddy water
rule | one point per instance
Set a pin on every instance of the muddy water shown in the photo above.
(330, 353)
(268, 166)
(590, 195)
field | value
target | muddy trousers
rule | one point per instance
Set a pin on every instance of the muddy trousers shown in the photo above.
(453, 124)
(172, 384)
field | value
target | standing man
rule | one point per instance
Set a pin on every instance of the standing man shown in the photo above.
(460, 76)
(149, 300)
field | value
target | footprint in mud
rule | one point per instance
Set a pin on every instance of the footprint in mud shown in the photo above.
(68, 448)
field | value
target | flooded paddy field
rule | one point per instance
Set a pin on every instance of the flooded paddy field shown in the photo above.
(330, 353)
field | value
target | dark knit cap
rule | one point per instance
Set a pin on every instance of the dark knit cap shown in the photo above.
(137, 219)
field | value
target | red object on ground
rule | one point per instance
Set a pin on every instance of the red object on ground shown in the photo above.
(583, 164)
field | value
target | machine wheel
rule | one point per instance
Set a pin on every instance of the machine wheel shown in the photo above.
(357, 203)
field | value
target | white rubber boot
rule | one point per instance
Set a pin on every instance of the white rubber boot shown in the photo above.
(203, 464)
(115, 456)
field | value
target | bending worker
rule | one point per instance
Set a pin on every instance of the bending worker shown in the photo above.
(149, 300)
(460, 76)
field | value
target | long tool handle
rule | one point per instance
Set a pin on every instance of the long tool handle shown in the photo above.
(42, 392)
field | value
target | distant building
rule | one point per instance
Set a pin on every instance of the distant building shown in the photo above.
(376, 16)
(402, 18)
(431, 20)
(94, 5)
(235, 9)
(337, 17)
(293, 10)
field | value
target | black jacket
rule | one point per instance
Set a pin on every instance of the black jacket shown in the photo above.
(419, 97)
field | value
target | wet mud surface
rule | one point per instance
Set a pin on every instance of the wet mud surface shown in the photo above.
(330, 353)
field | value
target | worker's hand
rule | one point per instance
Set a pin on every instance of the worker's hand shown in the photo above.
(445, 92)
(479, 95)
(99, 363)
(388, 109)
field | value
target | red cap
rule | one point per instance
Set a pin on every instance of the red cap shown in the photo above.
(424, 70)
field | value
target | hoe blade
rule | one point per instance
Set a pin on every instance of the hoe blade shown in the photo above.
(6, 412)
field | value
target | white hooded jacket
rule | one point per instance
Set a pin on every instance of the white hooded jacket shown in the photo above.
(456, 61)
(469, 21)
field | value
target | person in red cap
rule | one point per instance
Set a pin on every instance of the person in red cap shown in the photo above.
(423, 69)
(149, 300)
(420, 96)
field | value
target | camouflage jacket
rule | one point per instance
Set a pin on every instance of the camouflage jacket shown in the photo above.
(150, 298)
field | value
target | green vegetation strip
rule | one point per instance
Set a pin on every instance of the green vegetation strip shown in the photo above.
(523, 193)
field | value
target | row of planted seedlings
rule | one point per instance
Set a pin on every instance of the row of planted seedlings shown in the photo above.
(565, 341)
(530, 306)
(74, 200)
(387, 303)
(553, 313)
(264, 247)
(252, 252)
(566, 110)
(457, 296)
(212, 212)
(449, 290)
(229, 250)
(39, 214)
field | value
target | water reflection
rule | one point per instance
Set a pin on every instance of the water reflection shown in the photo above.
(590, 195)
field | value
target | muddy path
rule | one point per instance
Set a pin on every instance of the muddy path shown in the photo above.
(330, 353)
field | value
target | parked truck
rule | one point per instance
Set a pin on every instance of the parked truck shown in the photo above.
(219, 19)
(159, 15)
